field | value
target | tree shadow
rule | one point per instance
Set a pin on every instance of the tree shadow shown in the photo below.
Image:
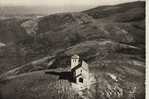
(62, 75)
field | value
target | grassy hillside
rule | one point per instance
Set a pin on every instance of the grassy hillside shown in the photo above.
(124, 12)
(37, 85)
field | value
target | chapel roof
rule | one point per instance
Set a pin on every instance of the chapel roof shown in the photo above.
(75, 57)
(78, 66)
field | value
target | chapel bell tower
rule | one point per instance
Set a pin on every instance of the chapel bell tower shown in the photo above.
(74, 61)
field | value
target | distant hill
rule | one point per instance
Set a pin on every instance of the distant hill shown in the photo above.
(131, 10)
(21, 11)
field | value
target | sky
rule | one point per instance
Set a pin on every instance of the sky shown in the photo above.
(52, 6)
(61, 2)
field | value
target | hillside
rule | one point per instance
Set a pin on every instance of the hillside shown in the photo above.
(120, 13)
(111, 39)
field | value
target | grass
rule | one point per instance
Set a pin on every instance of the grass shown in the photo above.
(38, 86)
